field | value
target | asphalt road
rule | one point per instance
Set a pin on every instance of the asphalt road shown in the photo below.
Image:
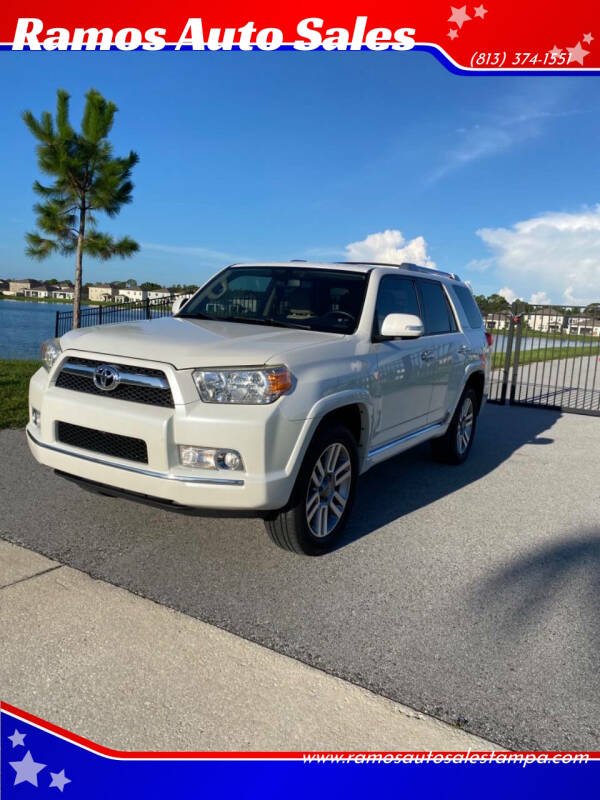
(469, 593)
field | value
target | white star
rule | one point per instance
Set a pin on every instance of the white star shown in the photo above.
(17, 738)
(59, 780)
(556, 52)
(459, 15)
(26, 770)
(452, 33)
(577, 53)
(480, 11)
(588, 38)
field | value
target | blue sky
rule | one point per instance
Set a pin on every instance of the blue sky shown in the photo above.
(292, 155)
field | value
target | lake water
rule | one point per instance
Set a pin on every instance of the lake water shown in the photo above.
(24, 326)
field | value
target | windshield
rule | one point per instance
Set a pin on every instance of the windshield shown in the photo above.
(290, 297)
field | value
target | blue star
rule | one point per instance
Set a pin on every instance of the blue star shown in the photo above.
(26, 770)
(17, 738)
(59, 780)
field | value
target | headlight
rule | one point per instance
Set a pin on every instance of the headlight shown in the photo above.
(249, 386)
(49, 352)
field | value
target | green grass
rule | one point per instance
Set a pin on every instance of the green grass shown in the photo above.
(545, 354)
(14, 383)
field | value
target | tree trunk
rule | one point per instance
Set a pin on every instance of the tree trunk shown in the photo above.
(78, 268)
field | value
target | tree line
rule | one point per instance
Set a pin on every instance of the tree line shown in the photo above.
(495, 303)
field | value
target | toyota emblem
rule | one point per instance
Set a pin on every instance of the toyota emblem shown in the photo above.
(106, 377)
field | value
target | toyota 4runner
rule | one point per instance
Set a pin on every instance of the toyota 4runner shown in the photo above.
(268, 392)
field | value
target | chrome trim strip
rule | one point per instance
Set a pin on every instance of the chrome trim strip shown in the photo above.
(138, 470)
(382, 448)
(131, 378)
(76, 369)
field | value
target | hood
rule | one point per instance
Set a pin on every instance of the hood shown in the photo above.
(189, 343)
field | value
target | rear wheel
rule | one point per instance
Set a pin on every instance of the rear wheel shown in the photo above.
(455, 446)
(322, 497)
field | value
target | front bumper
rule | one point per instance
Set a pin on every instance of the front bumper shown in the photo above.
(264, 437)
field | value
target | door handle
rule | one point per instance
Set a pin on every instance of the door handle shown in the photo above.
(464, 349)
(427, 355)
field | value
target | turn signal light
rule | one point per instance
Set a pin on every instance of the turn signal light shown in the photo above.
(280, 381)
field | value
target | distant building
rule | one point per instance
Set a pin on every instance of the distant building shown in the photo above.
(497, 320)
(18, 286)
(60, 293)
(584, 326)
(133, 294)
(38, 291)
(547, 323)
(102, 292)
(4, 286)
(154, 294)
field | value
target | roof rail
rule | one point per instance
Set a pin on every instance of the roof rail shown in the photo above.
(404, 265)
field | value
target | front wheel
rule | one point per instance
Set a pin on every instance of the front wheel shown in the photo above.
(455, 445)
(322, 497)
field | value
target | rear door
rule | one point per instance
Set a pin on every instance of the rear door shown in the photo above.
(443, 347)
(403, 375)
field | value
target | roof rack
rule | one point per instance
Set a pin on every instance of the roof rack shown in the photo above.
(404, 265)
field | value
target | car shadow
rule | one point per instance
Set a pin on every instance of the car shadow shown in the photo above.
(414, 479)
(528, 590)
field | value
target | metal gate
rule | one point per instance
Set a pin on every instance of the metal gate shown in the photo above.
(546, 356)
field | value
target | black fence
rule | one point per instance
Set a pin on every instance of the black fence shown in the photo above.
(120, 312)
(546, 356)
(543, 356)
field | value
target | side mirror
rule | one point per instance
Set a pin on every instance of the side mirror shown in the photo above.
(402, 326)
(178, 303)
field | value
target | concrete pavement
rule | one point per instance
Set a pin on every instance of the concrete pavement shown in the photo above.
(134, 675)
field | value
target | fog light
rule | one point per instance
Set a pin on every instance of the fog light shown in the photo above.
(209, 458)
(232, 460)
(36, 417)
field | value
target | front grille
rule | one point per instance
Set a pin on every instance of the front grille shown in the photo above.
(110, 444)
(84, 382)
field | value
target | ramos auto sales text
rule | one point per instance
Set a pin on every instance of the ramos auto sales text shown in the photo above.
(33, 34)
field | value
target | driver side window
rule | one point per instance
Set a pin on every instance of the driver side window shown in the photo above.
(397, 295)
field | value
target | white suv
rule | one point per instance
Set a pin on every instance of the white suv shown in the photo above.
(267, 393)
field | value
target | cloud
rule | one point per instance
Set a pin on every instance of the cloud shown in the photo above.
(558, 249)
(507, 294)
(539, 298)
(512, 119)
(479, 264)
(390, 246)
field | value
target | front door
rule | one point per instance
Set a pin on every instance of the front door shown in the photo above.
(404, 374)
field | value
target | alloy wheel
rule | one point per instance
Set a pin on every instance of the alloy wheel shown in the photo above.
(464, 430)
(328, 490)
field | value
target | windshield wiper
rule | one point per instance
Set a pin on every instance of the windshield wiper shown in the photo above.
(280, 324)
(195, 315)
(276, 323)
(271, 321)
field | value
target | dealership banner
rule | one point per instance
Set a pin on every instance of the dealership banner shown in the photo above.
(480, 37)
(39, 759)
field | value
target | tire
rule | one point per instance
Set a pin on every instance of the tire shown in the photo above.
(310, 524)
(455, 445)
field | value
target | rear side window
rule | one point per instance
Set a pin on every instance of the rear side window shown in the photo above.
(469, 306)
(437, 314)
(396, 296)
